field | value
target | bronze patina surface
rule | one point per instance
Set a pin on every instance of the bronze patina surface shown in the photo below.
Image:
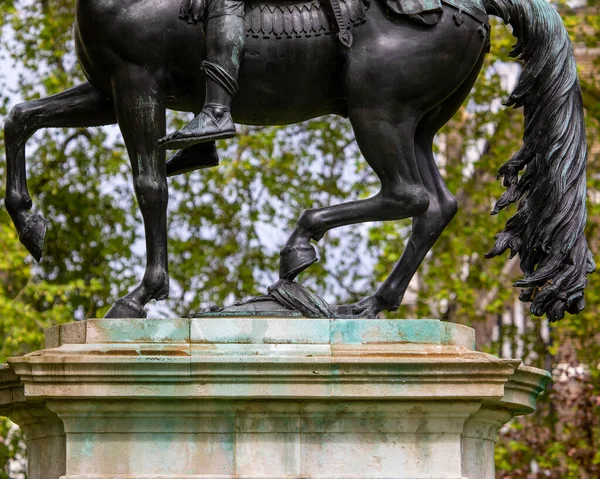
(398, 69)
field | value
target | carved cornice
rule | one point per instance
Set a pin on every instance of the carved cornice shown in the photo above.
(11, 388)
(266, 357)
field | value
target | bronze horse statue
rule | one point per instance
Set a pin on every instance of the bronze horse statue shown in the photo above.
(398, 84)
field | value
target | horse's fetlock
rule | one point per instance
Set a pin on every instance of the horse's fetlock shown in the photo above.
(387, 300)
(17, 202)
(156, 282)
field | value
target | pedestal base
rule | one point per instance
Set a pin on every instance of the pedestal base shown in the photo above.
(248, 397)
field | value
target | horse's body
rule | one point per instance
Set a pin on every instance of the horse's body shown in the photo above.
(282, 81)
(398, 84)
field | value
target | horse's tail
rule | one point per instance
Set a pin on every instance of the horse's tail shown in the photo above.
(547, 229)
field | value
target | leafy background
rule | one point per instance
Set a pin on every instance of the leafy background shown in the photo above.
(227, 224)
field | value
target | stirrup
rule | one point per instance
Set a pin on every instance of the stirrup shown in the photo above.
(200, 156)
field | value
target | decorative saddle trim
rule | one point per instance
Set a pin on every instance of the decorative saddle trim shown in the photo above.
(473, 8)
(414, 8)
(307, 19)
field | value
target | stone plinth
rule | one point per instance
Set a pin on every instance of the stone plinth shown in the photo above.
(259, 397)
(43, 430)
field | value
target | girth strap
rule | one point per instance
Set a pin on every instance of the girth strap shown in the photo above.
(344, 35)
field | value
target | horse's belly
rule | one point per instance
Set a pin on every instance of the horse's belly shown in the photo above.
(282, 81)
(289, 80)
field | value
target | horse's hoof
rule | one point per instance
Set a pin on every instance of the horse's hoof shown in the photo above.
(295, 259)
(202, 155)
(126, 308)
(32, 236)
(162, 294)
(367, 308)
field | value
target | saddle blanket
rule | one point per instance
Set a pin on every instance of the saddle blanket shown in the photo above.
(475, 8)
(299, 19)
(277, 19)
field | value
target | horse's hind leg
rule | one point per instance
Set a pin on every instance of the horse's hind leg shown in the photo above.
(385, 137)
(81, 106)
(428, 227)
(141, 116)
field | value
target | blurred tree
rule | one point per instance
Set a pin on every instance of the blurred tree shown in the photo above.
(76, 179)
(562, 440)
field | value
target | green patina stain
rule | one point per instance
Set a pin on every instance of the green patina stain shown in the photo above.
(414, 7)
(143, 330)
(246, 314)
(422, 331)
(250, 330)
(164, 330)
(543, 382)
(475, 8)
(88, 447)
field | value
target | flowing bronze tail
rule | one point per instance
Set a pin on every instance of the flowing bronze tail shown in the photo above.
(547, 231)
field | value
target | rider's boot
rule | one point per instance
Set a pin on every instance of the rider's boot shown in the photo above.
(224, 45)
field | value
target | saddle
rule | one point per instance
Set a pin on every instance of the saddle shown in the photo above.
(296, 18)
(303, 19)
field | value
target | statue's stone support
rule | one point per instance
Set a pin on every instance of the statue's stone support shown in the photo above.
(250, 397)
(43, 430)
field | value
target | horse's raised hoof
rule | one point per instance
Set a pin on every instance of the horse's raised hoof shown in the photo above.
(202, 155)
(125, 308)
(33, 234)
(295, 259)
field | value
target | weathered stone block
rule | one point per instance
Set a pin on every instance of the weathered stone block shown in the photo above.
(52, 337)
(73, 333)
(43, 430)
(263, 397)
(256, 331)
(147, 331)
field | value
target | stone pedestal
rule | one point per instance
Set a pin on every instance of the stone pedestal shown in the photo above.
(260, 397)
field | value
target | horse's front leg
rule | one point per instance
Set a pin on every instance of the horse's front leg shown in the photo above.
(80, 106)
(141, 115)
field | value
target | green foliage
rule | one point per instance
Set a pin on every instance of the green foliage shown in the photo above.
(226, 227)
(76, 179)
(12, 450)
(227, 224)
